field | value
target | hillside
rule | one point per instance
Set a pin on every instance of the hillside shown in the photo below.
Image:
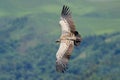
(96, 59)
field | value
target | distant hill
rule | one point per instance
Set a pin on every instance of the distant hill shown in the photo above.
(90, 16)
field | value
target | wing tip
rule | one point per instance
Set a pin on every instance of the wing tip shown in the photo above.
(61, 66)
(65, 11)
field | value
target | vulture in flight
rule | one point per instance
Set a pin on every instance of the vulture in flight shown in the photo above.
(68, 39)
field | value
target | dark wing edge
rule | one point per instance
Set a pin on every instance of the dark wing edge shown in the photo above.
(61, 65)
(65, 12)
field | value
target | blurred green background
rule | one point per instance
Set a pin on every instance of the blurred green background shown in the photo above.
(29, 28)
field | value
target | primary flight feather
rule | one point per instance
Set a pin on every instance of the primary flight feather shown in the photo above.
(69, 37)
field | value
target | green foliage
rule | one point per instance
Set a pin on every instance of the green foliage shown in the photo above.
(100, 60)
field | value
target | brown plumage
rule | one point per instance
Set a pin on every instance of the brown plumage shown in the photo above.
(69, 37)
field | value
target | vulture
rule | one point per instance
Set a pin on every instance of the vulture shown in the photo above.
(68, 39)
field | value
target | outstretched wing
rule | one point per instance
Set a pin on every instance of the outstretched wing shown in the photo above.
(63, 55)
(66, 16)
(67, 44)
(67, 24)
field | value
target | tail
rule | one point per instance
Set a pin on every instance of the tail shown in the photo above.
(78, 38)
(61, 65)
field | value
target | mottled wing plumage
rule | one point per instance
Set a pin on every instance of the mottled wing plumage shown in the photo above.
(66, 14)
(63, 55)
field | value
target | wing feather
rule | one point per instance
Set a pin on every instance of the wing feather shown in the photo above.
(66, 15)
(63, 55)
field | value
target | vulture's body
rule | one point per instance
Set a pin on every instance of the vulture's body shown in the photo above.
(69, 37)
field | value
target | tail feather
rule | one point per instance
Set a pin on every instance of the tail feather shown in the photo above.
(61, 65)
